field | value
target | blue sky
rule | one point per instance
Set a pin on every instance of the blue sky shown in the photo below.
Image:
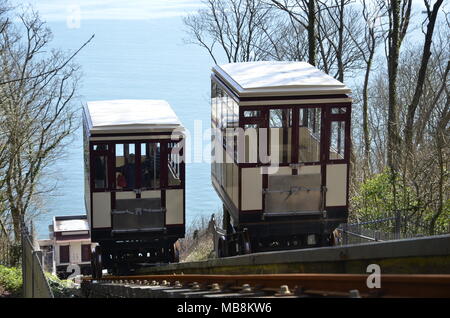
(59, 10)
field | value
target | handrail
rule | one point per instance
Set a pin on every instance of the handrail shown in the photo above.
(360, 235)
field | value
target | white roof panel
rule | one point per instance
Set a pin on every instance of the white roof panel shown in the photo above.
(131, 113)
(71, 225)
(279, 77)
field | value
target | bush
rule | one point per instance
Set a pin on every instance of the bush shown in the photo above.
(375, 200)
(11, 280)
(11, 284)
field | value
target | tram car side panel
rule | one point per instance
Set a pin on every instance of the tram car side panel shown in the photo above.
(299, 196)
(86, 157)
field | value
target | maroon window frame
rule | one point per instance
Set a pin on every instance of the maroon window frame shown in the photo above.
(109, 163)
(286, 160)
(181, 165)
(325, 130)
(85, 252)
(111, 155)
(329, 118)
(64, 253)
(262, 121)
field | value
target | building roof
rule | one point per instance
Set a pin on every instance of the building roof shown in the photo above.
(70, 223)
(126, 115)
(45, 242)
(278, 78)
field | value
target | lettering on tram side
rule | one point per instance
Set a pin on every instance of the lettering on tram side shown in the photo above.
(374, 279)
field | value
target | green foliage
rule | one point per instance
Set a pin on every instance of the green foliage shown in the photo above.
(376, 198)
(443, 221)
(11, 280)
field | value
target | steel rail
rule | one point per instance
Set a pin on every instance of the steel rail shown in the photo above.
(391, 285)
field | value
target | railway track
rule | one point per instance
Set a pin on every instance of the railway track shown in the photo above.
(266, 286)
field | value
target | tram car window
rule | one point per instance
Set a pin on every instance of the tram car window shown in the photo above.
(283, 175)
(134, 183)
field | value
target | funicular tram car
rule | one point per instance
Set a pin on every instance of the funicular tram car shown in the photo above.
(134, 183)
(281, 163)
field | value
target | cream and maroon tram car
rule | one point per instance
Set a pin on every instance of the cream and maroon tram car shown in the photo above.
(280, 159)
(134, 181)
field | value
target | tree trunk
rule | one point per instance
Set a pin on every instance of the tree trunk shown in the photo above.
(366, 113)
(312, 49)
(339, 52)
(17, 224)
(432, 17)
(393, 56)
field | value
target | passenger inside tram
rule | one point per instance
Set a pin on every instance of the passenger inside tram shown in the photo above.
(100, 172)
(128, 171)
(100, 168)
(150, 165)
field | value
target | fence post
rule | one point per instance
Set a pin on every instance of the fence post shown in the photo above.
(397, 225)
(345, 234)
(377, 236)
(32, 275)
(24, 267)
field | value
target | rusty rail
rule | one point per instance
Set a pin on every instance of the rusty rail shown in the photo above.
(283, 285)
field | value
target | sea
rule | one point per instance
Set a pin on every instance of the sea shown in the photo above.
(133, 58)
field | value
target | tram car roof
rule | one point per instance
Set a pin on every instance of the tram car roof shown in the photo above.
(131, 116)
(278, 78)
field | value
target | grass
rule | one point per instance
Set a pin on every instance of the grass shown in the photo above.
(202, 249)
(198, 242)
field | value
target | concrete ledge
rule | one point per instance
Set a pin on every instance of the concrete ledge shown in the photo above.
(417, 255)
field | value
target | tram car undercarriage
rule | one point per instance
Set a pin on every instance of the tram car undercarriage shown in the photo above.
(134, 183)
(280, 159)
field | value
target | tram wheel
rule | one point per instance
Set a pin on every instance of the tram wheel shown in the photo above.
(246, 247)
(246, 244)
(93, 266)
(116, 270)
(177, 249)
(226, 221)
(177, 255)
(174, 254)
(98, 262)
(334, 238)
(221, 248)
